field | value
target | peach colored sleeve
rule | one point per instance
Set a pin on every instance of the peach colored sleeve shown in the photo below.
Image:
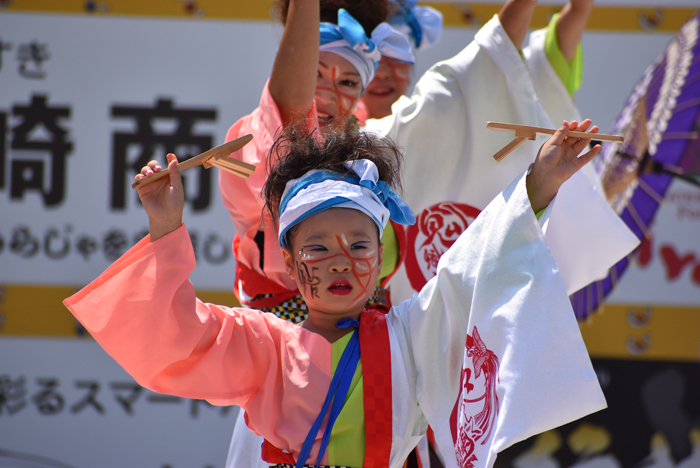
(143, 311)
(242, 197)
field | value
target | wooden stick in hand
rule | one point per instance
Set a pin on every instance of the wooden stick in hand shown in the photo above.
(506, 127)
(218, 156)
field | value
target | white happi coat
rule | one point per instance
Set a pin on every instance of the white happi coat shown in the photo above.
(499, 284)
(450, 174)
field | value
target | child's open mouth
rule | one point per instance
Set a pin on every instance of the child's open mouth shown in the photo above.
(340, 288)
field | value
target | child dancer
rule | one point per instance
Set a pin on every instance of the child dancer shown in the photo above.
(353, 386)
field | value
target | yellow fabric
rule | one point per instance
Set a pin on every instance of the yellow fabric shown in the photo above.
(570, 73)
(391, 252)
(347, 444)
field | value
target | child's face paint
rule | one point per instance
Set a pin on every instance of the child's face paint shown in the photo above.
(338, 89)
(389, 84)
(336, 260)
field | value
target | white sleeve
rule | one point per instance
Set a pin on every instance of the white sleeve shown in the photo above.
(442, 130)
(442, 126)
(500, 278)
(246, 447)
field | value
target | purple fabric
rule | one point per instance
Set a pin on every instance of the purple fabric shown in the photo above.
(672, 154)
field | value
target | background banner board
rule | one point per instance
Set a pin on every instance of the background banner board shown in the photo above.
(90, 91)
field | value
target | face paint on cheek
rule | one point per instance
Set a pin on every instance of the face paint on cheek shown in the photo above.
(347, 105)
(360, 270)
(346, 102)
(308, 279)
(400, 72)
(400, 75)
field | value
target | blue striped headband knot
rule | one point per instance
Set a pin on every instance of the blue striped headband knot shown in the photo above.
(422, 24)
(361, 190)
(348, 40)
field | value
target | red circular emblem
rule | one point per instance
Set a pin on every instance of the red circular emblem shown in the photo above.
(436, 229)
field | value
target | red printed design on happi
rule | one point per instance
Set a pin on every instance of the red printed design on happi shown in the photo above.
(477, 405)
(436, 229)
(375, 351)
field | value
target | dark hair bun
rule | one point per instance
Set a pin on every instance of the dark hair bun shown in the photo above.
(369, 13)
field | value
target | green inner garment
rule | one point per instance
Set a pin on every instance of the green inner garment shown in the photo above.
(391, 252)
(570, 73)
(347, 444)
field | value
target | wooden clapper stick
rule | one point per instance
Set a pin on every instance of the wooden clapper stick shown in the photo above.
(218, 157)
(524, 133)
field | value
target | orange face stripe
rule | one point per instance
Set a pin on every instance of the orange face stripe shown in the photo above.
(346, 102)
(363, 279)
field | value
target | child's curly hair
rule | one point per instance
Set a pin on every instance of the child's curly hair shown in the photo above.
(369, 13)
(299, 150)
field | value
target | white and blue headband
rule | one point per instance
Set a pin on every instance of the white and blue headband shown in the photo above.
(348, 40)
(421, 23)
(320, 190)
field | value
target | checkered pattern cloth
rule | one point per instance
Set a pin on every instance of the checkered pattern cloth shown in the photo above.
(295, 310)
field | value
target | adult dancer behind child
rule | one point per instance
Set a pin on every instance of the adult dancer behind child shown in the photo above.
(326, 84)
(553, 55)
(442, 128)
(332, 201)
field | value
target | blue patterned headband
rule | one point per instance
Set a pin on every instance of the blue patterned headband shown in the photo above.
(421, 23)
(320, 190)
(348, 39)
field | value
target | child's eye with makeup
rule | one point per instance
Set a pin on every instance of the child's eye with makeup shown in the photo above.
(314, 248)
(360, 246)
(350, 83)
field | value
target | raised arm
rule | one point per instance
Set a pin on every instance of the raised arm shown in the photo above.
(571, 24)
(293, 79)
(515, 16)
